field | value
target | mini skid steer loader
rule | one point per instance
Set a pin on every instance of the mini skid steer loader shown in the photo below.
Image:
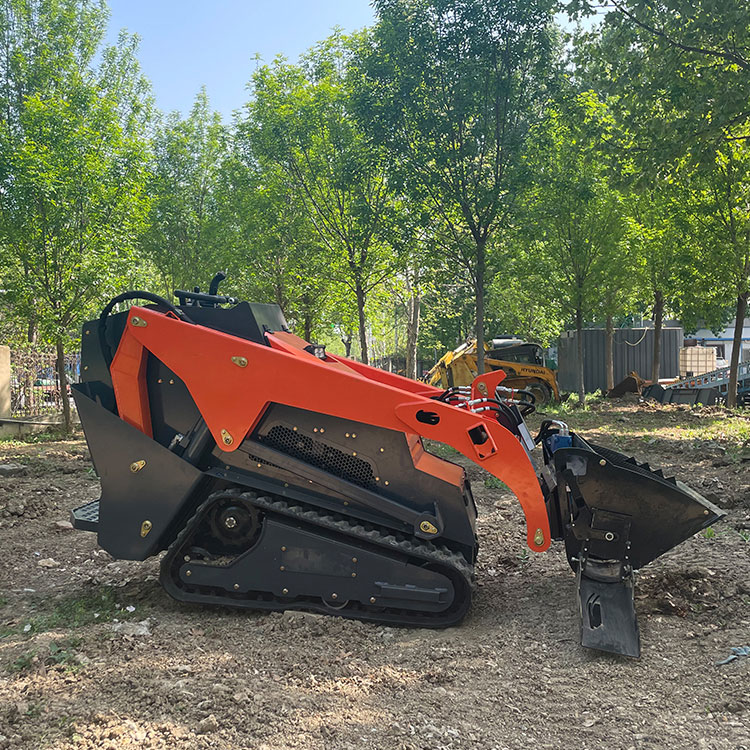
(274, 475)
(521, 361)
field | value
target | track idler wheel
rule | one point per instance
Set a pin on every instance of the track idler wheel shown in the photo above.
(234, 523)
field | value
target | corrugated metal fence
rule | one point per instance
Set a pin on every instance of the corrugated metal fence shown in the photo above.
(633, 350)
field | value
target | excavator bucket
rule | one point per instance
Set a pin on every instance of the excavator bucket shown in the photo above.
(274, 475)
(615, 515)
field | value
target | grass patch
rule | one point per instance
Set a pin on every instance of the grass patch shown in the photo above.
(441, 450)
(60, 653)
(53, 435)
(24, 662)
(493, 483)
(68, 613)
(571, 406)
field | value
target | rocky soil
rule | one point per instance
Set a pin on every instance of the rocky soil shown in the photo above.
(94, 655)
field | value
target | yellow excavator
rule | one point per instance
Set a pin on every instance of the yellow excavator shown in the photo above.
(522, 362)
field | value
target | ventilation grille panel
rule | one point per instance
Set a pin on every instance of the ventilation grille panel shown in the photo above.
(313, 452)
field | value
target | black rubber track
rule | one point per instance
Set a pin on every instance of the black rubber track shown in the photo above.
(445, 561)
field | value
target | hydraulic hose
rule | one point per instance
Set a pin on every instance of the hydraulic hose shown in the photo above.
(151, 297)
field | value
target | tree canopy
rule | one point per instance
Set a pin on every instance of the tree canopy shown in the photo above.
(462, 169)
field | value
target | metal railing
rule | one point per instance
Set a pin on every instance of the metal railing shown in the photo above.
(717, 379)
(34, 383)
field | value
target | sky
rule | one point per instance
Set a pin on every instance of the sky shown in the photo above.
(186, 44)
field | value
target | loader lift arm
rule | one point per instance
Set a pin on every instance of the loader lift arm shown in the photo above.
(202, 358)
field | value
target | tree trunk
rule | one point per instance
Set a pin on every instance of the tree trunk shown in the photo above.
(360, 292)
(347, 342)
(608, 353)
(579, 363)
(279, 295)
(62, 378)
(481, 245)
(308, 327)
(31, 330)
(412, 335)
(658, 321)
(739, 324)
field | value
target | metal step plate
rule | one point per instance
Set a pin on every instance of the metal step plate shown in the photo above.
(86, 517)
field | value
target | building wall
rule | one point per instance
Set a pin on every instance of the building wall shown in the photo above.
(723, 340)
(633, 350)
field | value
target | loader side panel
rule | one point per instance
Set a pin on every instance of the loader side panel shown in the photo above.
(374, 457)
(146, 489)
(352, 467)
(173, 410)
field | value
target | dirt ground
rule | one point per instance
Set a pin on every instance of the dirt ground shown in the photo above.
(93, 654)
